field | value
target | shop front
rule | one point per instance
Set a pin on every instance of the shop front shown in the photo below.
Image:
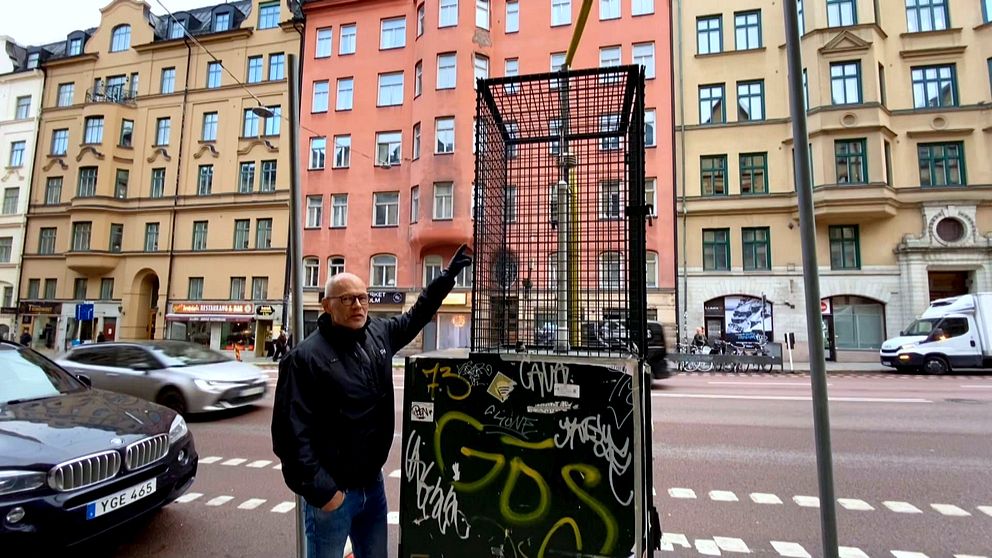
(41, 320)
(739, 319)
(221, 326)
(88, 322)
(852, 323)
(452, 327)
(8, 323)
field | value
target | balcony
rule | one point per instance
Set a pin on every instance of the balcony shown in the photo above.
(92, 264)
(115, 94)
(845, 202)
(429, 233)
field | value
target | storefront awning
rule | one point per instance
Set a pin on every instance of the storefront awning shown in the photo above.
(209, 317)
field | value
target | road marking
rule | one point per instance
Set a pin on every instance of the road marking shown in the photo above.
(707, 547)
(251, 504)
(723, 496)
(948, 509)
(259, 464)
(209, 460)
(669, 540)
(220, 500)
(278, 467)
(395, 474)
(982, 386)
(905, 554)
(987, 510)
(765, 498)
(684, 493)
(790, 549)
(967, 556)
(902, 507)
(284, 507)
(850, 552)
(807, 501)
(853, 504)
(234, 462)
(801, 384)
(188, 497)
(789, 398)
(730, 544)
(393, 518)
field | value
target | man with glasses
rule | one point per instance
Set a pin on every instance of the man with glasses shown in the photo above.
(332, 420)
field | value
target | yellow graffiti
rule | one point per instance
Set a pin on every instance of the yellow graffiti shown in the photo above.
(433, 385)
(468, 386)
(498, 462)
(517, 466)
(446, 372)
(561, 523)
(517, 442)
(591, 478)
(448, 417)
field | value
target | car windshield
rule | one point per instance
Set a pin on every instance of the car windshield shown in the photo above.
(26, 376)
(921, 327)
(186, 354)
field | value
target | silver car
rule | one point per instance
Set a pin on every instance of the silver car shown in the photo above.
(186, 377)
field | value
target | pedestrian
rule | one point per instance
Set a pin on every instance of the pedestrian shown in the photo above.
(280, 347)
(332, 418)
(26, 338)
(699, 340)
(100, 337)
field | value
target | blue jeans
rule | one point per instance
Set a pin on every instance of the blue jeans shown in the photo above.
(362, 516)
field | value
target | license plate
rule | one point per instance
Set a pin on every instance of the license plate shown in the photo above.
(252, 391)
(121, 499)
(886, 361)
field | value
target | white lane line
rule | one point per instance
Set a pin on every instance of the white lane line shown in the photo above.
(395, 474)
(948, 509)
(790, 549)
(234, 462)
(800, 384)
(278, 467)
(730, 544)
(807, 501)
(260, 464)
(188, 497)
(982, 386)
(765, 498)
(670, 540)
(209, 460)
(854, 504)
(251, 504)
(723, 496)
(220, 500)
(707, 547)
(393, 518)
(789, 398)
(284, 507)
(987, 510)
(850, 552)
(684, 493)
(902, 507)
(968, 556)
(906, 554)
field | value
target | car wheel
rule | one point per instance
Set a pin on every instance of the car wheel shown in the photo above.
(936, 365)
(173, 399)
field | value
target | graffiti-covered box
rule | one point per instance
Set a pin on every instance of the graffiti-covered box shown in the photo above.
(509, 456)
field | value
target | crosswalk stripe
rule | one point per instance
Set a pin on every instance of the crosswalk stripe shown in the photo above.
(850, 552)
(987, 510)
(209, 460)
(790, 549)
(968, 556)
(853, 504)
(278, 467)
(765, 498)
(393, 518)
(902, 507)
(220, 500)
(261, 463)
(707, 547)
(251, 504)
(730, 544)
(284, 507)
(905, 554)
(395, 474)
(807, 501)
(234, 462)
(685, 493)
(948, 509)
(670, 540)
(723, 496)
(188, 497)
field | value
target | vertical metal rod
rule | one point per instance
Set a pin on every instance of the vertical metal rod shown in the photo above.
(296, 244)
(681, 311)
(563, 196)
(811, 282)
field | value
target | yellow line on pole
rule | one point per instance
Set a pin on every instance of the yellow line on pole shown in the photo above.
(577, 34)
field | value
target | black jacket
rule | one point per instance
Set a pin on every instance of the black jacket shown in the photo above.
(332, 420)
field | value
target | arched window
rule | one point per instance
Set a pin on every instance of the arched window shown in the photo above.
(120, 38)
(311, 272)
(384, 270)
(432, 268)
(651, 268)
(335, 265)
(859, 323)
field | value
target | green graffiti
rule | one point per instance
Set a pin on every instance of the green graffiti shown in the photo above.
(518, 466)
(591, 478)
(561, 523)
(498, 462)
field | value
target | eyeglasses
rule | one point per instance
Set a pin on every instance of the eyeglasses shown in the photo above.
(349, 300)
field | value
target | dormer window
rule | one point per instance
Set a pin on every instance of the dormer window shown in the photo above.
(75, 47)
(222, 22)
(177, 28)
(33, 59)
(120, 39)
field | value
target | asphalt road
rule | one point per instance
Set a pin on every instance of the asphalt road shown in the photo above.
(735, 473)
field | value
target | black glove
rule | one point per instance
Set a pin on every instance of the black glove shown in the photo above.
(459, 261)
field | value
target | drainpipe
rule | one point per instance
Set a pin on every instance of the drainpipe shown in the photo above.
(683, 316)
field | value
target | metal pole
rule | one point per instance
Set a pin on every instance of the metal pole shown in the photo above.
(296, 244)
(811, 282)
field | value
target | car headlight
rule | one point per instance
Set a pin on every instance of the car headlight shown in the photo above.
(177, 430)
(20, 481)
(210, 385)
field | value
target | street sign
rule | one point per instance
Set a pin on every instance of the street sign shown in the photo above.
(84, 312)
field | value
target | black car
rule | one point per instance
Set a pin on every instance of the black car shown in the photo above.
(75, 461)
(657, 351)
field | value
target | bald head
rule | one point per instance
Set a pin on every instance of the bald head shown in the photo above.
(346, 300)
(343, 281)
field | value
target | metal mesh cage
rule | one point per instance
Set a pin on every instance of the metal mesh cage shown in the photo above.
(560, 213)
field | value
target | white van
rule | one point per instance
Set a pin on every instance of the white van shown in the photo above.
(952, 333)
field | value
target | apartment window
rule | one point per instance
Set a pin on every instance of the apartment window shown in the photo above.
(712, 109)
(335, 265)
(87, 182)
(158, 183)
(651, 270)
(121, 182)
(339, 210)
(390, 90)
(433, 266)
(935, 86)
(388, 148)
(268, 181)
(268, 15)
(107, 288)
(205, 180)
(609, 57)
(554, 131)
(81, 236)
(446, 71)
(421, 15)
(242, 229)
(651, 195)
(209, 127)
(926, 15)
(444, 133)
(610, 270)
(713, 174)
(10, 197)
(273, 123)
(116, 237)
(942, 164)
(561, 12)
(512, 16)
(881, 84)
(841, 13)
(757, 248)
(989, 62)
(609, 9)
(512, 132)
(805, 89)
(321, 93)
(716, 249)
(987, 11)
(263, 234)
(120, 38)
(195, 291)
(127, 133)
(845, 247)
(256, 66)
(168, 81)
(418, 78)
(53, 190)
(345, 96)
(392, 33)
(93, 130)
(199, 235)
(416, 141)
(51, 288)
(609, 124)
(852, 164)
(511, 69)
(325, 42)
(222, 22)
(747, 26)
(213, 74)
(443, 201)
(311, 272)
(33, 285)
(845, 82)
(643, 54)
(66, 92)
(315, 207)
(23, 107)
(249, 128)
(60, 142)
(237, 291)
(887, 149)
(17, 153)
(482, 14)
(318, 151)
(151, 237)
(609, 199)
(386, 209)
(349, 36)
(162, 128)
(79, 288)
(46, 240)
(384, 270)
(75, 47)
(481, 68)
(133, 88)
(259, 288)
(342, 152)
(277, 66)
(177, 28)
(641, 7)
(709, 34)
(447, 13)
(750, 100)
(754, 173)
(414, 204)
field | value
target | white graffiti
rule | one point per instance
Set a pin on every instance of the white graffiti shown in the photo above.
(598, 433)
(542, 377)
(433, 502)
(552, 407)
(524, 426)
(476, 373)
(622, 398)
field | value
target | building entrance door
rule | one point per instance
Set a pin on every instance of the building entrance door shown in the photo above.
(947, 283)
